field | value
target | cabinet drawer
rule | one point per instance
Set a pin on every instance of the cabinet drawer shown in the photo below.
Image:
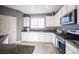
(71, 49)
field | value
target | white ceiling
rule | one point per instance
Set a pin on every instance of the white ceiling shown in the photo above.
(35, 9)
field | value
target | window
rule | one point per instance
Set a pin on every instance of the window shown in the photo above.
(37, 22)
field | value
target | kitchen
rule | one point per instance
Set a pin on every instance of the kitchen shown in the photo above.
(59, 28)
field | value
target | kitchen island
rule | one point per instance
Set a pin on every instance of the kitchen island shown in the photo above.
(14, 48)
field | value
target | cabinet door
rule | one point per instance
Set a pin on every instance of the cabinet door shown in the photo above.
(70, 8)
(12, 29)
(8, 25)
(71, 49)
(30, 36)
(3, 25)
(53, 39)
(64, 10)
(41, 37)
(37, 37)
(26, 22)
(57, 19)
(50, 21)
(48, 37)
(68, 51)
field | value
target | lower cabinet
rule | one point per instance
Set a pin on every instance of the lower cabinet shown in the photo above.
(70, 49)
(38, 36)
(54, 39)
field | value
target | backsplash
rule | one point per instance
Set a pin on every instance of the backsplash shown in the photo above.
(67, 27)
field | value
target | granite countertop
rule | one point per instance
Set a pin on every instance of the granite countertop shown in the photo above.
(16, 49)
(47, 29)
(69, 39)
(2, 38)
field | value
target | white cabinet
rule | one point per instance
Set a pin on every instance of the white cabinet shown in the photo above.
(58, 16)
(64, 10)
(12, 29)
(41, 37)
(57, 19)
(48, 37)
(8, 25)
(26, 22)
(3, 25)
(29, 36)
(67, 8)
(70, 49)
(70, 8)
(50, 21)
(37, 36)
(53, 39)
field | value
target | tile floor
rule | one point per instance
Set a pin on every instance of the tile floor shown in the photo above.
(41, 47)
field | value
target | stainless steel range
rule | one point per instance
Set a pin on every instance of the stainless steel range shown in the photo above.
(60, 44)
(71, 35)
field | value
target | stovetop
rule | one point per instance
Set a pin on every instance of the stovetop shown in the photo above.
(69, 36)
(73, 31)
(74, 39)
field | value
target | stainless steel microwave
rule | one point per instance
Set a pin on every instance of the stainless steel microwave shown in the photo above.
(70, 18)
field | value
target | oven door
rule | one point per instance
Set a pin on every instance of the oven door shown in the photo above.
(61, 48)
(60, 45)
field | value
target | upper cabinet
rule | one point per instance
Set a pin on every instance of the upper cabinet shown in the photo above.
(70, 8)
(57, 19)
(8, 26)
(50, 21)
(64, 10)
(67, 9)
(26, 22)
